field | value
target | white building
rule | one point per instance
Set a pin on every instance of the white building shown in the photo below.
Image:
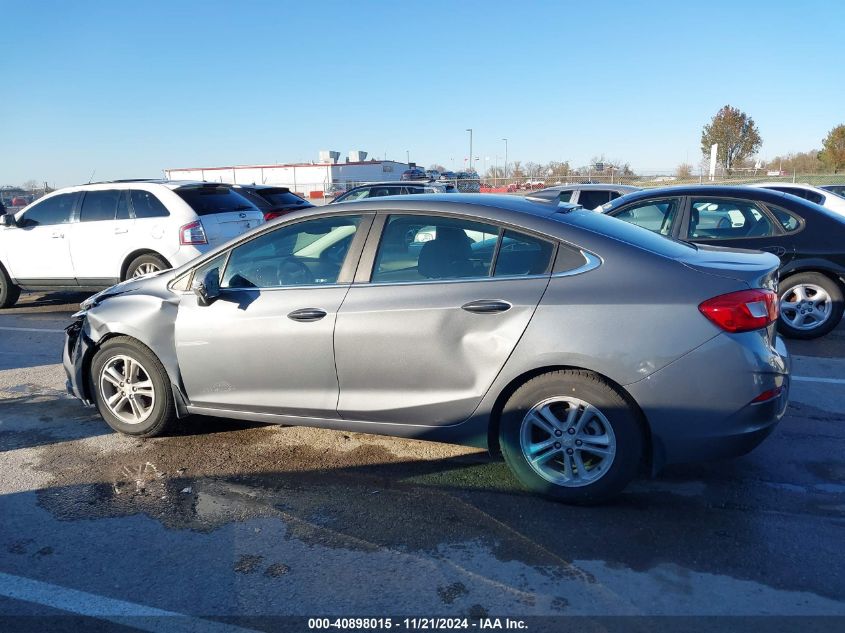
(308, 179)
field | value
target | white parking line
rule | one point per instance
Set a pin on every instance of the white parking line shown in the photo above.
(91, 605)
(832, 381)
(30, 329)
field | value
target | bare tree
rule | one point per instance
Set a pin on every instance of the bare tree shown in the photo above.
(683, 171)
(32, 185)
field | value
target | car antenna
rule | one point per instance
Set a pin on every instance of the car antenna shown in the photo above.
(92, 176)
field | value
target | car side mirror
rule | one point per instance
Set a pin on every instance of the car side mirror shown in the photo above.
(7, 219)
(207, 289)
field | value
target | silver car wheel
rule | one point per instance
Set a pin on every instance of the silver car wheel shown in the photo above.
(127, 390)
(567, 441)
(805, 306)
(145, 269)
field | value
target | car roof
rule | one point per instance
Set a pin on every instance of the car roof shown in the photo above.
(710, 190)
(796, 185)
(589, 186)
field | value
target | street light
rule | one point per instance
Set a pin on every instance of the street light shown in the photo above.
(506, 156)
(408, 157)
(469, 129)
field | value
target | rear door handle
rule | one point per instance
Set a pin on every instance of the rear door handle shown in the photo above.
(780, 251)
(487, 306)
(119, 231)
(57, 235)
(307, 314)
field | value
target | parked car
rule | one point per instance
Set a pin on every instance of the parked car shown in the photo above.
(448, 175)
(839, 190)
(807, 237)
(413, 174)
(92, 236)
(334, 190)
(468, 182)
(432, 174)
(589, 196)
(816, 195)
(380, 189)
(273, 201)
(676, 357)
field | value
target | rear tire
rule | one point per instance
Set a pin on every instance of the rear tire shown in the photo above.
(571, 436)
(9, 292)
(144, 265)
(132, 389)
(811, 305)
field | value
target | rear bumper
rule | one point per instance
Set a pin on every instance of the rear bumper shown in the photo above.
(701, 407)
(76, 356)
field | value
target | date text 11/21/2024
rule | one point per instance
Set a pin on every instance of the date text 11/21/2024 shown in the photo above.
(431, 624)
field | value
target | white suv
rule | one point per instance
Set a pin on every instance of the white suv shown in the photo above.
(93, 236)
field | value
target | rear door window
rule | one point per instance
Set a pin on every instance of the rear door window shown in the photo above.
(99, 205)
(208, 200)
(655, 215)
(422, 248)
(146, 205)
(54, 210)
(723, 219)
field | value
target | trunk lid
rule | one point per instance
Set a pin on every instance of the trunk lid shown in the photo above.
(221, 227)
(755, 268)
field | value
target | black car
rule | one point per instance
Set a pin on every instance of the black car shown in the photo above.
(273, 201)
(808, 238)
(414, 174)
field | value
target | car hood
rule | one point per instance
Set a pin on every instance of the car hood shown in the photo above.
(155, 283)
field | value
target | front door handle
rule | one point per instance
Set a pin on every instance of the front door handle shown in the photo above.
(120, 231)
(487, 306)
(307, 314)
(57, 235)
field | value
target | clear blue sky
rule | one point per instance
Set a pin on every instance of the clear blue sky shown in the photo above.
(129, 88)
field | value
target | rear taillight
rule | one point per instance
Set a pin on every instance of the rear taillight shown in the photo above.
(742, 311)
(272, 215)
(192, 233)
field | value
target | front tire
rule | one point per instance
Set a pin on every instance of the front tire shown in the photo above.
(145, 265)
(132, 388)
(9, 292)
(571, 436)
(811, 305)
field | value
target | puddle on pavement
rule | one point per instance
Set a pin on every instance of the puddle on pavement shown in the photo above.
(341, 490)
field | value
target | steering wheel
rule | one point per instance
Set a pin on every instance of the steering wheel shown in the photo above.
(293, 272)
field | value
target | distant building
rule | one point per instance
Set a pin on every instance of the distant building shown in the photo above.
(309, 179)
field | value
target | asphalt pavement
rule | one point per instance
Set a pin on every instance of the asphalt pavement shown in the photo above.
(230, 524)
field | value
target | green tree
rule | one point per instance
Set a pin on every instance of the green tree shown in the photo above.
(833, 148)
(735, 132)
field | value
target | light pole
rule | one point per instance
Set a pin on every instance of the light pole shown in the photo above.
(506, 156)
(408, 157)
(469, 129)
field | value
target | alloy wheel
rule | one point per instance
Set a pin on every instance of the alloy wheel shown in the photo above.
(567, 441)
(145, 269)
(127, 389)
(805, 307)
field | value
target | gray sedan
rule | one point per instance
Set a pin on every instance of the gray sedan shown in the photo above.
(581, 347)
